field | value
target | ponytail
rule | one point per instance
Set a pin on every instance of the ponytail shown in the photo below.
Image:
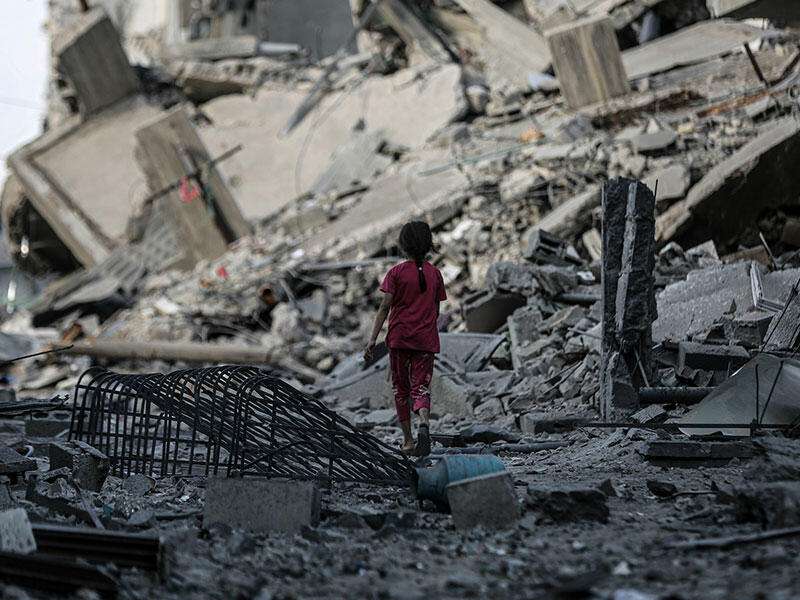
(423, 285)
(416, 241)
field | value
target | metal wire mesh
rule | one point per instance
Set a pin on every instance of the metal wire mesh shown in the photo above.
(222, 420)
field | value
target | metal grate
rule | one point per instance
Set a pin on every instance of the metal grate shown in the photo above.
(223, 420)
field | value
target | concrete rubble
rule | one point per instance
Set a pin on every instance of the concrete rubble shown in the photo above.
(616, 219)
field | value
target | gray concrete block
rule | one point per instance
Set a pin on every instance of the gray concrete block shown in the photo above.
(49, 426)
(487, 500)
(16, 534)
(90, 55)
(89, 466)
(261, 505)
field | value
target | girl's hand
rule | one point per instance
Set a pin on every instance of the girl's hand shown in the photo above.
(369, 352)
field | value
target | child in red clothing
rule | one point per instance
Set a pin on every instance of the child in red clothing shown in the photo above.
(413, 291)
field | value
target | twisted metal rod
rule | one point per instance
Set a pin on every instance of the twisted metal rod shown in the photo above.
(223, 420)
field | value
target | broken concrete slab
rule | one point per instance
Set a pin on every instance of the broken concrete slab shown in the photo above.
(504, 35)
(564, 216)
(566, 504)
(89, 467)
(204, 222)
(261, 505)
(678, 453)
(655, 141)
(14, 464)
(761, 169)
(421, 44)
(690, 307)
(534, 423)
(412, 112)
(391, 201)
(587, 61)
(672, 182)
(357, 162)
(778, 12)
(16, 534)
(90, 56)
(764, 390)
(783, 332)
(693, 44)
(59, 174)
(487, 500)
(711, 357)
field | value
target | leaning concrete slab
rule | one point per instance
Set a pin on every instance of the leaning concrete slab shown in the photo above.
(757, 177)
(60, 176)
(170, 149)
(408, 110)
(90, 56)
(487, 500)
(504, 37)
(690, 45)
(261, 505)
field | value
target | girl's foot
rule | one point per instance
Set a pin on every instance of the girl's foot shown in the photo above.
(423, 441)
(408, 447)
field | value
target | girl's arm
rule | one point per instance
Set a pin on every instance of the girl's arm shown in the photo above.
(380, 318)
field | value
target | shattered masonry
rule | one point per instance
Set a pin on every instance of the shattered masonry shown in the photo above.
(616, 211)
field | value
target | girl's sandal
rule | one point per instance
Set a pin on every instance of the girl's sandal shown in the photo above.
(423, 441)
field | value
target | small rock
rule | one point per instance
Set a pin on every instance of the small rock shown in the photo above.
(662, 489)
(138, 484)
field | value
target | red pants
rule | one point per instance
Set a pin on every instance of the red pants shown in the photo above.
(411, 377)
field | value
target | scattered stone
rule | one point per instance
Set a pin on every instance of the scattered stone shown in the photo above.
(89, 467)
(138, 484)
(654, 413)
(662, 489)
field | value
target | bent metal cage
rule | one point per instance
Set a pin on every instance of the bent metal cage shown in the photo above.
(223, 421)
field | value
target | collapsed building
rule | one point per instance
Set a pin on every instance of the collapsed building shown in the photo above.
(616, 215)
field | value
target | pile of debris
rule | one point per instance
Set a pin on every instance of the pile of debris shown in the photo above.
(616, 220)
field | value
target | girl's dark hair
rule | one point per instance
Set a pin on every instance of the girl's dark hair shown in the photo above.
(416, 241)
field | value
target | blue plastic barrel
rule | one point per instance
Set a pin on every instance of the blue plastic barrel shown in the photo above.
(429, 483)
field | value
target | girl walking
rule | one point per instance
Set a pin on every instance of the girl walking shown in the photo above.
(412, 292)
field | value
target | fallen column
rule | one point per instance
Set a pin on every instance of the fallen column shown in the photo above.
(629, 306)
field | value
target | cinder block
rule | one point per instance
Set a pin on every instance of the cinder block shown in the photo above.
(89, 466)
(488, 500)
(261, 504)
(16, 534)
(49, 426)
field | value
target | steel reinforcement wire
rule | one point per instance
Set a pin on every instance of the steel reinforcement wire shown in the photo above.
(224, 420)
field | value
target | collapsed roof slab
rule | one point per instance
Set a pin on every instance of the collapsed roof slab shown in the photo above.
(375, 221)
(690, 45)
(759, 176)
(82, 177)
(270, 171)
